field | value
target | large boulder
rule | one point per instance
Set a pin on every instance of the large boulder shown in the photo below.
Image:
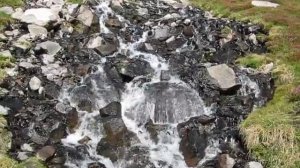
(223, 75)
(39, 16)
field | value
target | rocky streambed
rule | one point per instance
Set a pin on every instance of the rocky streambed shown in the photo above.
(130, 84)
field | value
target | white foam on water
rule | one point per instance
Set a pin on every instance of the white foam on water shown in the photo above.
(138, 107)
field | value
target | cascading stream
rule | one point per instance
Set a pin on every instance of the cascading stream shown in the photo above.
(164, 102)
(169, 105)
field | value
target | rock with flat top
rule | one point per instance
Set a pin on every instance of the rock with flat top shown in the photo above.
(254, 165)
(223, 75)
(37, 31)
(86, 16)
(39, 16)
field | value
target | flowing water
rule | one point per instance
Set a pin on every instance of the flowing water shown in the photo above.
(166, 103)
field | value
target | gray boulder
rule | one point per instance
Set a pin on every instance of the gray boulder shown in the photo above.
(37, 31)
(85, 15)
(106, 44)
(51, 47)
(223, 75)
(39, 16)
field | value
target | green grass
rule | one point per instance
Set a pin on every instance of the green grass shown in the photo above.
(75, 1)
(272, 133)
(253, 61)
(12, 3)
(4, 20)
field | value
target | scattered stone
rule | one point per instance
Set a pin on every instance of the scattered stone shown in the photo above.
(37, 31)
(23, 156)
(188, 31)
(4, 110)
(165, 76)
(252, 38)
(85, 15)
(143, 11)
(27, 148)
(113, 109)
(113, 22)
(7, 9)
(26, 65)
(254, 165)
(261, 3)
(225, 161)
(54, 71)
(224, 76)
(39, 16)
(46, 153)
(162, 33)
(51, 47)
(35, 83)
(268, 68)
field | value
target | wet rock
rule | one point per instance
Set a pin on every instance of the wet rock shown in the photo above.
(35, 83)
(85, 15)
(39, 16)
(253, 165)
(194, 140)
(165, 76)
(7, 10)
(96, 165)
(133, 67)
(224, 76)
(46, 153)
(225, 161)
(60, 160)
(138, 157)
(117, 139)
(57, 134)
(105, 45)
(84, 140)
(72, 119)
(51, 47)
(37, 31)
(113, 109)
(113, 23)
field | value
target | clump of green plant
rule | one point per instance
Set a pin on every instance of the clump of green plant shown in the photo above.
(254, 61)
(4, 20)
(12, 3)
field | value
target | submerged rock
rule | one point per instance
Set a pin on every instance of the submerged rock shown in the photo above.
(111, 110)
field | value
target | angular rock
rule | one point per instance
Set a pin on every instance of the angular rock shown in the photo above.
(17, 14)
(85, 15)
(113, 22)
(37, 31)
(162, 33)
(106, 44)
(26, 65)
(54, 72)
(39, 16)
(6, 53)
(254, 165)
(96, 165)
(35, 83)
(113, 109)
(22, 44)
(46, 153)
(224, 76)
(51, 47)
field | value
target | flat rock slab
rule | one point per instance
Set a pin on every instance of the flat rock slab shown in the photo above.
(265, 4)
(224, 75)
(39, 16)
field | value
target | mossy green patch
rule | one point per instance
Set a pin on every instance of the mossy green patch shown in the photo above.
(253, 61)
(32, 162)
(4, 20)
(7, 162)
(272, 133)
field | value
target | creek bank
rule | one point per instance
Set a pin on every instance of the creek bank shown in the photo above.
(74, 70)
